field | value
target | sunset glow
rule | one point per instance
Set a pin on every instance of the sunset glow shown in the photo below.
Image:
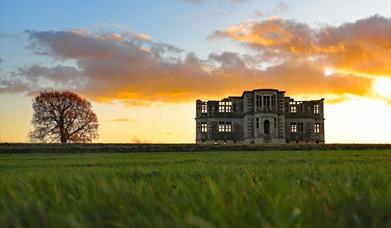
(382, 87)
(143, 68)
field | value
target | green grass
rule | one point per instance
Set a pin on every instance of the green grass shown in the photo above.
(344, 188)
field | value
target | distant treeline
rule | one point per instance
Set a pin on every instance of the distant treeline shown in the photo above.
(14, 148)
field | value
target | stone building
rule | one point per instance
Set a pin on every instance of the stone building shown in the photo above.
(259, 116)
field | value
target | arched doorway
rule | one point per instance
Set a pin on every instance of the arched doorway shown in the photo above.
(266, 127)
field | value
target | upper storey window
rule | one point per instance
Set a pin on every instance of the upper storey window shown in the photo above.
(273, 101)
(293, 108)
(316, 109)
(225, 106)
(266, 101)
(204, 107)
(259, 101)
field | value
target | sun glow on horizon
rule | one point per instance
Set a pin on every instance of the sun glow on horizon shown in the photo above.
(382, 87)
(328, 71)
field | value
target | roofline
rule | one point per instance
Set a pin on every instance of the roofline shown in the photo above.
(290, 98)
(235, 96)
(255, 90)
(267, 89)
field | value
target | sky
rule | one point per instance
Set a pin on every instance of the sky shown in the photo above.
(143, 64)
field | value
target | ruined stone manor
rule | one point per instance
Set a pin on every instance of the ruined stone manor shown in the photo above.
(259, 116)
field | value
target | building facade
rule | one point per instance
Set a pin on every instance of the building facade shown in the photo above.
(259, 116)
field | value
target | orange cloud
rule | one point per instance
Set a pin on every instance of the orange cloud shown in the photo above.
(363, 46)
(136, 70)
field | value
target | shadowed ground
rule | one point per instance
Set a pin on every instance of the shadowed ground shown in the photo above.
(10, 148)
(349, 188)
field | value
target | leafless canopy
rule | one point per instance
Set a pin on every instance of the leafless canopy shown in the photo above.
(63, 117)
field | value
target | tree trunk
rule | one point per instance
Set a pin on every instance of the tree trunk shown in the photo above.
(63, 139)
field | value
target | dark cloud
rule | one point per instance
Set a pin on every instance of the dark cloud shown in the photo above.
(29, 79)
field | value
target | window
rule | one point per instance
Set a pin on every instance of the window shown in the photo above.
(266, 101)
(300, 127)
(228, 127)
(204, 127)
(293, 108)
(228, 108)
(225, 127)
(204, 107)
(257, 122)
(221, 127)
(221, 106)
(259, 101)
(317, 128)
(273, 101)
(316, 109)
(275, 123)
(293, 127)
(225, 106)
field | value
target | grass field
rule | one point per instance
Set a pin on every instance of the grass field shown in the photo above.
(347, 188)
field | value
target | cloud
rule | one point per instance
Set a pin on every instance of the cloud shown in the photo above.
(280, 7)
(32, 78)
(199, 1)
(259, 13)
(277, 9)
(125, 120)
(136, 70)
(361, 47)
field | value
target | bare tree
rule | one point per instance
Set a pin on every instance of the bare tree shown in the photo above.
(63, 117)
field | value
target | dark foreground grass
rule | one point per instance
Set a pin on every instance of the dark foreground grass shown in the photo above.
(209, 189)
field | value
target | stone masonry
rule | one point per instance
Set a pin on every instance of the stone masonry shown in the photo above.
(259, 116)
